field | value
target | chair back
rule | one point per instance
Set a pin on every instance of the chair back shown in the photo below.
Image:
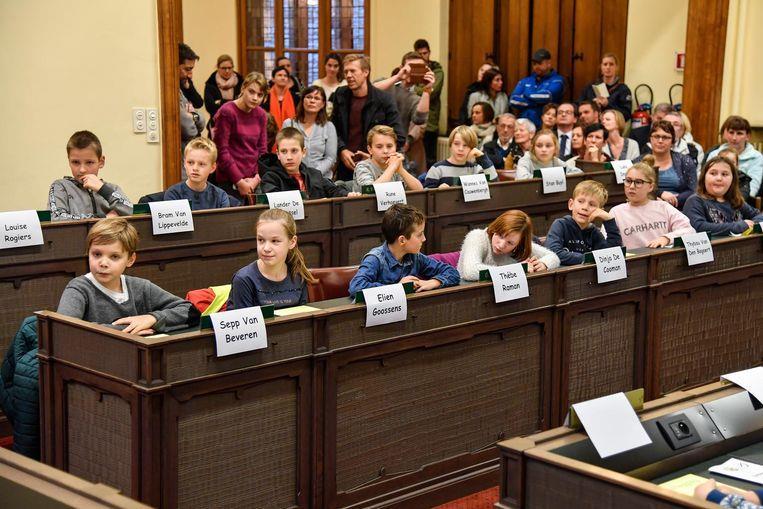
(333, 282)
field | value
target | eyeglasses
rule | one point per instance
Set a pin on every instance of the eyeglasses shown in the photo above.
(635, 182)
(662, 137)
(226, 68)
(565, 112)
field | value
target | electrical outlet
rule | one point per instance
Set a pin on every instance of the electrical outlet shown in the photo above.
(152, 137)
(139, 120)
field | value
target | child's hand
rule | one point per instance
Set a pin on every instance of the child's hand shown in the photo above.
(475, 153)
(535, 265)
(704, 489)
(410, 279)
(112, 213)
(659, 242)
(140, 324)
(427, 284)
(601, 215)
(749, 223)
(91, 182)
(353, 194)
(443, 186)
(670, 198)
(395, 161)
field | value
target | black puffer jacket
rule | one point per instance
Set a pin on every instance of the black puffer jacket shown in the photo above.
(275, 179)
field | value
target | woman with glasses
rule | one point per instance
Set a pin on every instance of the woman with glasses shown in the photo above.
(642, 220)
(320, 134)
(222, 86)
(677, 177)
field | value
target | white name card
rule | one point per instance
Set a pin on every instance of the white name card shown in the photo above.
(20, 228)
(173, 216)
(475, 187)
(750, 380)
(554, 180)
(698, 248)
(611, 424)
(239, 330)
(610, 264)
(389, 193)
(290, 201)
(385, 304)
(621, 168)
(509, 282)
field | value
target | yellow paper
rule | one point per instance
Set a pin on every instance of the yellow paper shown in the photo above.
(294, 310)
(685, 484)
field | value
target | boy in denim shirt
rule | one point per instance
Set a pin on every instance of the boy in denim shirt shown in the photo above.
(399, 259)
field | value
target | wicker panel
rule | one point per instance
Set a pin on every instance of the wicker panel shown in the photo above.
(602, 347)
(723, 334)
(359, 246)
(727, 256)
(451, 237)
(31, 296)
(542, 222)
(180, 276)
(419, 407)
(582, 285)
(312, 252)
(550, 487)
(99, 443)
(239, 452)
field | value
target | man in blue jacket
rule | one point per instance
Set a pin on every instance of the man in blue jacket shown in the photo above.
(543, 86)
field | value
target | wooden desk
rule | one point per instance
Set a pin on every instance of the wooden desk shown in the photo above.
(559, 467)
(332, 414)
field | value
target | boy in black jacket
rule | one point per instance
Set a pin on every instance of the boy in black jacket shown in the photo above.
(288, 173)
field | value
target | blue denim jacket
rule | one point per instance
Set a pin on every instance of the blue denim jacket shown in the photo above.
(380, 267)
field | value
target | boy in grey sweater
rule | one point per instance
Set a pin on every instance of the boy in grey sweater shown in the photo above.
(84, 195)
(106, 296)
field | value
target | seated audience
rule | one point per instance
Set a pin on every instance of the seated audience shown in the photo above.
(617, 147)
(502, 149)
(320, 134)
(106, 296)
(736, 134)
(332, 66)
(508, 239)
(523, 136)
(644, 221)
(223, 85)
(281, 101)
(385, 164)
(464, 111)
(482, 122)
(619, 94)
(727, 496)
(641, 134)
(287, 172)
(685, 144)
(279, 276)
(294, 84)
(570, 237)
(718, 207)
(491, 92)
(594, 138)
(588, 113)
(465, 159)
(399, 258)
(566, 120)
(548, 117)
(241, 138)
(84, 195)
(578, 144)
(543, 86)
(542, 154)
(678, 174)
(200, 162)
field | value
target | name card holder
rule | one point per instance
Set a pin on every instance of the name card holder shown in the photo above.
(239, 331)
(610, 264)
(485, 274)
(43, 216)
(173, 216)
(475, 187)
(20, 228)
(388, 194)
(554, 179)
(620, 168)
(290, 201)
(139, 209)
(385, 304)
(698, 247)
(407, 287)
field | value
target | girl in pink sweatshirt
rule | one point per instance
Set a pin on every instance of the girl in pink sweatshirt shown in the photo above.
(644, 221)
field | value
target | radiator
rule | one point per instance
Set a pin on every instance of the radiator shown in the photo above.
(443, 150)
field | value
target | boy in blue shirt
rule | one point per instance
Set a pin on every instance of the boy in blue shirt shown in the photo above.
(570, 237)
(399, 259)
(200, 160)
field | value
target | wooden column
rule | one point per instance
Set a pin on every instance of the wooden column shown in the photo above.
(703, 76)
(170, 14)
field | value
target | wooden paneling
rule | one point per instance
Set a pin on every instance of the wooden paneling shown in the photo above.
(170, 34)
(586, 45)
(545, 27)
(514, 49)
(705, 49)
(614, 30)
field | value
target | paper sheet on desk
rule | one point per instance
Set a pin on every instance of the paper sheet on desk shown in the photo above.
(294, 310)
(740, 469)
(686, 484)
(750, 380)
(611, 424)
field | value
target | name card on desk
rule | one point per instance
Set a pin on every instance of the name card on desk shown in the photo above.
(509, 282)
(611, 424)
(20, 228)
(385, 304)
(239, 330)
(475, 187)
(610, 264)
(750, 380)
(173, 216)
(554, 180)
(290, 201)
(698, 248)
(389, 193)
(621, 168)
